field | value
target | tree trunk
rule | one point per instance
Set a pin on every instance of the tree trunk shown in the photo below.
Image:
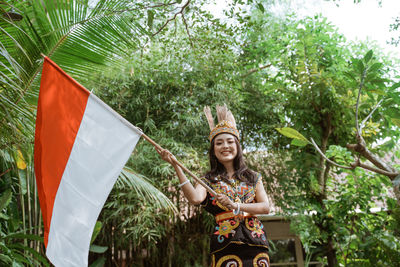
(331, 254)
(323, 175)
(326, 128)
(382, 167)
(396, 188)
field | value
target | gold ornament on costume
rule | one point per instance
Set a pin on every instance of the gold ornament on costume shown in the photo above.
(226, 122)
(262, 259)
(230, 260)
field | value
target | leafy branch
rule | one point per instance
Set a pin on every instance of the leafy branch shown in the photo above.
(379, 166)
(103, 13)
(255, 70)
(187, 30)
(173, 18)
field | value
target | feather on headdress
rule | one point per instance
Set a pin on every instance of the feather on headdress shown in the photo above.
(209, 117)
(226, 122)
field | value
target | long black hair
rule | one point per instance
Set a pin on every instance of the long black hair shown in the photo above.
(242, 173)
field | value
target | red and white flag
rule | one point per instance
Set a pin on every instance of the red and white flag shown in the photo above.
(81, 146)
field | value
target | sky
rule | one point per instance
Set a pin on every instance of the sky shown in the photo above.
(358, 22)
(365, 20)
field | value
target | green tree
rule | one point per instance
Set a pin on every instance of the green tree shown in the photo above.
(310, 82)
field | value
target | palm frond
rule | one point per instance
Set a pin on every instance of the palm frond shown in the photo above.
(80, 38)
(142, 186)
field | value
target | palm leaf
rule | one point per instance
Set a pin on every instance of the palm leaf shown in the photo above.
(142, 186)
(80, 38)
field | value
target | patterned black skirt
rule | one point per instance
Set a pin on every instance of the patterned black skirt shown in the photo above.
(240, 255)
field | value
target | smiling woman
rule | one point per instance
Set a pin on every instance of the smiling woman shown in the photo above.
(239, 238)
(225, 149)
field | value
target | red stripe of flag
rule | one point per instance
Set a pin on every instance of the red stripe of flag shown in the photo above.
(55, 133)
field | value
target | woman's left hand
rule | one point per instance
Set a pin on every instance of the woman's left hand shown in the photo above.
(226, 201)
(167, 156)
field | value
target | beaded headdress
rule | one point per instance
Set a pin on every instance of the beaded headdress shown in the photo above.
(226, 122)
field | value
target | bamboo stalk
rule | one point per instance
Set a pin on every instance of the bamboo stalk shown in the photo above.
(28, 191)
(39, 229)
(34, 221)
(22, 200)
(158, 147)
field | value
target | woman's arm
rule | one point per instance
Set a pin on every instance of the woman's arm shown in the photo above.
(260, 207)
(195, 195)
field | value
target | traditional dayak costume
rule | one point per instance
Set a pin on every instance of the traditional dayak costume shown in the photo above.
(239, 239)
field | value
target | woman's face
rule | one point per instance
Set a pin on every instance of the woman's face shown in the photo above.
(225, 148)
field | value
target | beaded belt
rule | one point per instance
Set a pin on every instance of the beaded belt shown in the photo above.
(226, 215)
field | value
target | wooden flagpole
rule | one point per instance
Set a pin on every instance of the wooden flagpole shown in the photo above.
(158, 147)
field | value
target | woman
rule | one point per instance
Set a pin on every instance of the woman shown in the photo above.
(238, 239)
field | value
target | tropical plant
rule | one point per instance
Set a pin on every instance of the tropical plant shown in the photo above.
(82, 37)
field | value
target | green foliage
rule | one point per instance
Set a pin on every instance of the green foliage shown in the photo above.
(297, 138)
(367, 73)
(100, 262)
(13, 252)
(96, 231)
(314, 84)
(97, 249)
(340, 155)
(291, 133)
(20, 244)
(364, 234)
(130, 209)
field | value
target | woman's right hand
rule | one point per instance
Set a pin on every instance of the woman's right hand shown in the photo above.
(167, 156)
(225, 201)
